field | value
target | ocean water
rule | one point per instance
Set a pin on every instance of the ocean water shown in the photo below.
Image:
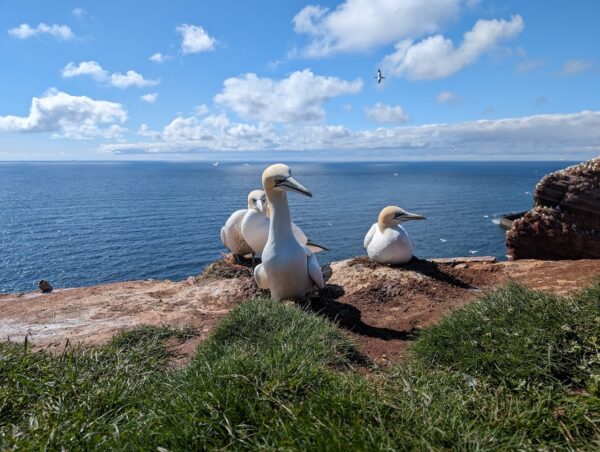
(88, 223)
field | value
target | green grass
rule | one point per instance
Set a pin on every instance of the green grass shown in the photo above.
(276, 376)
(520, 337)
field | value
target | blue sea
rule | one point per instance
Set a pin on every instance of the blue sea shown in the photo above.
(87, 223)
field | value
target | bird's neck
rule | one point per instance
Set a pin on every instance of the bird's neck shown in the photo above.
(281, 222)
(383, 226)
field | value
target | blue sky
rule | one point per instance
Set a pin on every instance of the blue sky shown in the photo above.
(465, 79)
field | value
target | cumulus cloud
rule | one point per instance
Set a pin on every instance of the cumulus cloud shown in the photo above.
(361, 25)
(297, 98)
(574, 67)
(436, 57)
(85, 68)
(185, 134)
(527, 137)
(386, 113)
(185, 129)
(77, 117)
(150, 97)
(25, 31)
(446, 97)
(200, 110)
(130, 78)
(195, 39)
(220, 121)
(160, 58)
(94, 70)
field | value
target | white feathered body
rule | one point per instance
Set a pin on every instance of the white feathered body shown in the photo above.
(255, 230)
(392, 246)
(231, 234)
(289, 269)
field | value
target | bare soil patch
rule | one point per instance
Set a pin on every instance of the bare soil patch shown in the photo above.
(382, 308)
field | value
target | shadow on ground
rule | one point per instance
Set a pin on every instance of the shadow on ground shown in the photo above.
(349, 317)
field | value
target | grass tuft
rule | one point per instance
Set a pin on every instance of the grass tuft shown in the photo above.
(517, 336)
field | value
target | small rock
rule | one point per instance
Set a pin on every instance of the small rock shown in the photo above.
(45, 286)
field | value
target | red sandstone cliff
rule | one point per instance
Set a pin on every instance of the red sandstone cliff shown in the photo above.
(565, 222)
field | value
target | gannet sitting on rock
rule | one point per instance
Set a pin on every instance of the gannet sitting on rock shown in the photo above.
(231, 233)
(288, 268)
(387, 242)
(255, 228)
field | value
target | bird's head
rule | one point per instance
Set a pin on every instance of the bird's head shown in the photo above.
(257, 200)
(392, 216)
(279, 178)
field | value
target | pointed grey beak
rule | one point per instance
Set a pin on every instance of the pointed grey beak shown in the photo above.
(291, 184)
(259, 205)
(407, 216)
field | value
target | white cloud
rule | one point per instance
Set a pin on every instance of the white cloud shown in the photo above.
(145, 131)
(436, 57)
(94, 70)
(195, 39)
(446, 97)
(77, 117)
(24, 31)
(184, 129)
(574, 67)
(200, 110)
(386, 113)
(361, 25)
(220, 121)
(130, 78)
(89, 68)
(150, 97)
(297, 98)
(160, 58)
(79, 13)
(559, 135)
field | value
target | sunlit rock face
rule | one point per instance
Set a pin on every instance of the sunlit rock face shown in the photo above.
(565, 222)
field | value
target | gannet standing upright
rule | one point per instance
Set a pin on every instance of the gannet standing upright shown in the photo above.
(288, 268)
(231, 233)
(255, 229)
(387, 242)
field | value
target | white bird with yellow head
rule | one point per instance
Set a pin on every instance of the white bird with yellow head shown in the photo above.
(289, 269)
(387, 242)
(231, 233)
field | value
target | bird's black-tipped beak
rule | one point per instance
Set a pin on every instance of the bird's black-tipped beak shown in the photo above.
(407, 216)
(291, 184)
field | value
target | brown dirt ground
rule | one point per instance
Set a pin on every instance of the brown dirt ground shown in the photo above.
(382, 308)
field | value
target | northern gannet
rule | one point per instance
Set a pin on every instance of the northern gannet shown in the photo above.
(379, 77)
(288, 268)
(387, 242)
(255, 228)
(231, 233)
